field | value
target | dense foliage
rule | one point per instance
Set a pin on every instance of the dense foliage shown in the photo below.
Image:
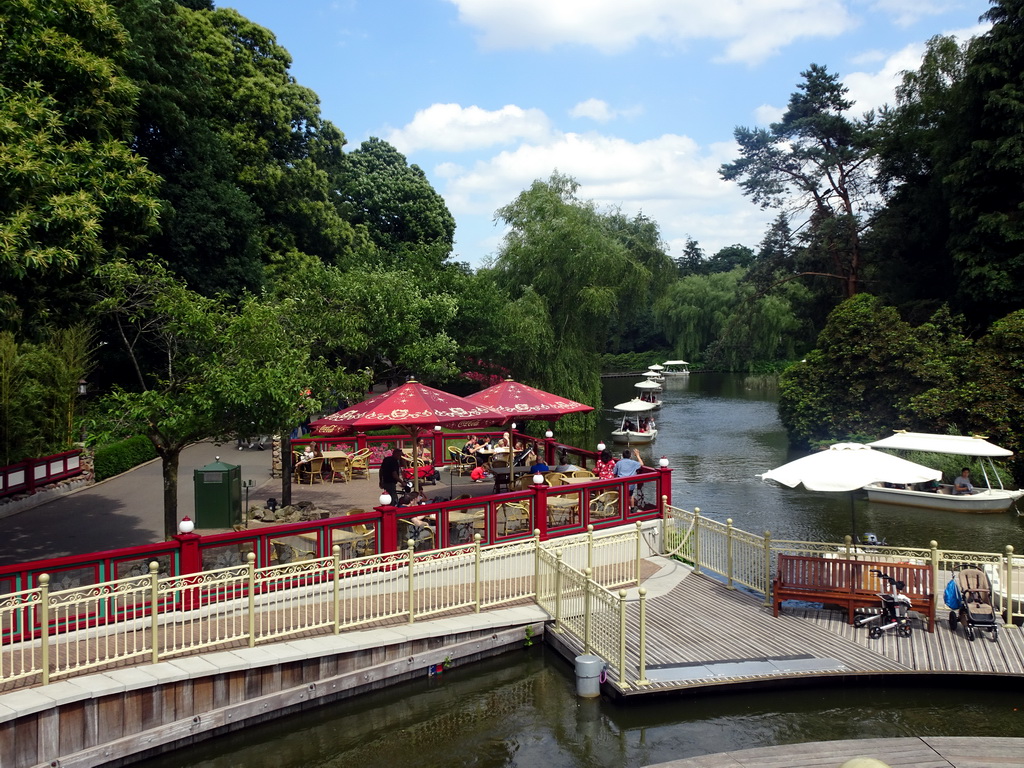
(172, 198)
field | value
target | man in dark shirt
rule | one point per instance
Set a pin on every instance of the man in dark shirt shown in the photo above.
(390, 474)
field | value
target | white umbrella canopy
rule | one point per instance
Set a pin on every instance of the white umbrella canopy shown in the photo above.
(847, 467)
(635, 406)
(647, 384)
(656, 367)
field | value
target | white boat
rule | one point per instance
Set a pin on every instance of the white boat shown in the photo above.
(982, 500)
(648, 386)
(650, 396)
(652, 375)
(635, 427)
(675, 368)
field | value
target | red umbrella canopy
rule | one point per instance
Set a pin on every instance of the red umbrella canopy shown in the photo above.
(525, 402)
(410, 405)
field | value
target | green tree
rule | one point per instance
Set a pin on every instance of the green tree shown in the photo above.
(730, 257)
(403, 214)
(867, 373)
(692, 261)
(563, 267)
(817, 160)
(72, 192)
(986, 199)
(221, 370)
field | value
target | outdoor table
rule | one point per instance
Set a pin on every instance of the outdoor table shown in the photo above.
(579, 480)
(501, 476)
(562, 509)
(463, 522)
(337, 455)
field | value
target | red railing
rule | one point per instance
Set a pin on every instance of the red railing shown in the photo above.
(27, 475)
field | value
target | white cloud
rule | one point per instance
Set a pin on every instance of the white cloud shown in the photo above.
(766, 114)
(454, 128)
(907, 12)
(595, 109)
(751, 31)
(870, 90)
(601, 111)
(670, 178)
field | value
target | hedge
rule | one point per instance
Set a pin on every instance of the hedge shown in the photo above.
(119, 457)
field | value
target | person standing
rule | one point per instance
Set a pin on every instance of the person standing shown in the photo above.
(391, 474)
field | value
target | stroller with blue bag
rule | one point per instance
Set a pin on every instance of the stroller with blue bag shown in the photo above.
(968, 596)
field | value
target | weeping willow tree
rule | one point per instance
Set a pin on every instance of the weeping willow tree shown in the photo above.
(570, 280)
(721, 320)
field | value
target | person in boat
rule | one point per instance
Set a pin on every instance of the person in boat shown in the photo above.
(605, 466)
(962, 485)
(627, 426)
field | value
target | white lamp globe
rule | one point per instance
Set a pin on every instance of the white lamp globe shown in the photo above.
(385, 499)
(186, 525)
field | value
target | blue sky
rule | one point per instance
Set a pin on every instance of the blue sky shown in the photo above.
(635, 99)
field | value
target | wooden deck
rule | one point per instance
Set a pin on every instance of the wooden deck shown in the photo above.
(700, 635)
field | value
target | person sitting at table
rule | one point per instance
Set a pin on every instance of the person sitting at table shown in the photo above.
(539, 466)
(308, 454)
(605, 466)
(524, 453)
(413, 499)
(424, 454)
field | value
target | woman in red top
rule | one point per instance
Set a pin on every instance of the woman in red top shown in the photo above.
(605, 465)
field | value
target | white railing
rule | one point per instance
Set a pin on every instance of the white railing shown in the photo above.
(744, 559)
(63, 633)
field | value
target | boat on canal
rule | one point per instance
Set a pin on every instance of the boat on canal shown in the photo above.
(649, 392)
(981, 500)
(675, 368)
(636, 427)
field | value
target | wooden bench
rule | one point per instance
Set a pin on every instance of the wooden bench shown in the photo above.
(850, 583)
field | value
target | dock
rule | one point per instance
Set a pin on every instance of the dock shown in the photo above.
(702, 635)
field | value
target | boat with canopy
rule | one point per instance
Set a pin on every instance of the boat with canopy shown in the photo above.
(636, 426)
(675, 368)
(987, 499)
(649, 391)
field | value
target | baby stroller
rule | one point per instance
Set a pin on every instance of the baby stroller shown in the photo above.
(969, 599)
(894, 609)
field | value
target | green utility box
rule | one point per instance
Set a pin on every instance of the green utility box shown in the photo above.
(218, 495)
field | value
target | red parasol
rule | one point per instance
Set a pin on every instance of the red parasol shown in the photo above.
(527, 403)
(520, 401)
(411, 406)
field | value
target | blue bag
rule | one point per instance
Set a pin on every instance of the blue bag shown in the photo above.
(951, 597)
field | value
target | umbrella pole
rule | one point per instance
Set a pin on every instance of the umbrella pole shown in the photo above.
(853, 519)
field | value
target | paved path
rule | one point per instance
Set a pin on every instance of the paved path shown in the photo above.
(123, 511)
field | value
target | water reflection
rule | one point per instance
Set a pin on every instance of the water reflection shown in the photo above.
(719, 435)
(521, 710)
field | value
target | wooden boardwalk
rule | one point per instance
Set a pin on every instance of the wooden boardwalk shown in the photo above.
(700, 635)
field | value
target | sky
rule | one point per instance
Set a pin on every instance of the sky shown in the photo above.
(637, 100)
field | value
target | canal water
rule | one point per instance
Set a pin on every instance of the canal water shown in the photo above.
(520, 709)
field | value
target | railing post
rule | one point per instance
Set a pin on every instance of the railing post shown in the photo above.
(1008, 586)
(639, 555)
(190, 561)
(154, 609)
(696, 539)
(622, 639)
(848, 541)
(934, 546)
(412, 587)
(477, 585)
(767, 568)
(586, 609)
(642, 679)
(664, 525)
(388, 526)
(536, 565)
(250, 561)
(44, 624)
(728, 553)
(540, 509)
(558, 591)
(665, 484)
(590, 547)
(336, 552)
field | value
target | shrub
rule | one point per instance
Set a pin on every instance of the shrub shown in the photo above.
(119, 457)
